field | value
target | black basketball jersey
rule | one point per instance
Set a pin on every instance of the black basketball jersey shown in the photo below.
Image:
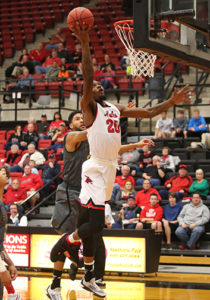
(72, 167)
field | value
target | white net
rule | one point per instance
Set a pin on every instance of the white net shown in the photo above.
(142, 63)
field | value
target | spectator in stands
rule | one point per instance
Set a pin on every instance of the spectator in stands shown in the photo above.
(122, 195)
(204, 144)
(56, 39)
(31, 120)
(57, 120)
(13, 156)
(42, 128)
(52, 72)
(191, 220)
(131, 158)
(5, 172)
(125, 62)
(96, 71)
(179, 184)
(145, 158)
(50, 170)
(25, 63)
(180, 125)
(107, 62)
(15, 138)
(108, 80)
(32, 154)
(120, 181)
(163, 127)
(8, 72)
(170, 222)
(153, 172)
(77, 54)
(31, 183)
(63, 53)
(32, 164)
(143, 196)
(24, 85)
(200, 185)
(38, 55)
(14, 194)
(167, 161)
(129, 214)
(151, 215)
(15, 218)
(197, 125)
(48, 63)
(58, 137)
(29, 137)
(63, 73)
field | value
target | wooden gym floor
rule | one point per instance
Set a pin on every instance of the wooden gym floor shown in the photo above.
(166, 286)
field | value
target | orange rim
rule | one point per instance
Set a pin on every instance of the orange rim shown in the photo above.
(120, 24)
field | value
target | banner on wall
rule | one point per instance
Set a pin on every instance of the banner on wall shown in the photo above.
(18, 247)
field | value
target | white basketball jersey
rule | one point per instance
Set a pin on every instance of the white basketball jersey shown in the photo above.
(104, 134)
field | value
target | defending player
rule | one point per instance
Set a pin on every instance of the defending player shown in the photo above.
(98, 173)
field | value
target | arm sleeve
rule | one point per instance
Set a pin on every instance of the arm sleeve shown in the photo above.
(191, 123)
(157, 124)
(143, 214)
(192, 188)
(23, 158)
(175, 124)
(189, 184)
(180, 217)
(38, 182)
(203, 122)
(186, 124)
(40, 159)
(159, 214)
(205, 216)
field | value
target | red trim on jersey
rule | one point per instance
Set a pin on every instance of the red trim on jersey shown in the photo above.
(95, 116)
(92, 205)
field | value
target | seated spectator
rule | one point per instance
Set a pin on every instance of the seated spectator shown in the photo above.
(31, 120)
(58, 138)
(153, 172)
(76, 55)
(143, 196)
(145, 159)
(13, 156)
(8, 72)
(15, 218)
(108, 78)
(151, 215)
(167, 160)
(108, 216)
(97, 72)
(5, 172)
(52, 72)
(31, 183)
(25, 63)
(56, 39)
(15, 138)
(120, 181)
(179, 184)
(14, 194)
(180, 125)
(129, 214)
(204, 144)
(24, 85)
(48, 63)
(170, 222)
(57, 120)
(197, 125)
(122, 195)
(32, 154)
(191, 220)
(63, 73)
(32, 164)
(163, 127)
(29, 137)
(63, 54)
(131, 158)
(42, 128)
(38, 55)
(107, 62)
(200, 185)
(50, 170)
(125, 62)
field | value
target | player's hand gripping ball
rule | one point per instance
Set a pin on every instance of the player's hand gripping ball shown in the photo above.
(80, 15)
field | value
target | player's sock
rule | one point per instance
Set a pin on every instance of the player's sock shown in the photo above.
(70, 239)
(89, 274)
(56, 283)
(10, 289)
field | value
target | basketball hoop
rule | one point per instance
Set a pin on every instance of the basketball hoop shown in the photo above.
(142, 63)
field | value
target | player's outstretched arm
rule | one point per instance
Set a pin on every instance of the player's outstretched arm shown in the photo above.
(74, 138)
(140, 144)
(183, 95)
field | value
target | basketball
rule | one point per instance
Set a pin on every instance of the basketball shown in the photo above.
(81, 15)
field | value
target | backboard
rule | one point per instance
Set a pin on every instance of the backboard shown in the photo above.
(178, 30)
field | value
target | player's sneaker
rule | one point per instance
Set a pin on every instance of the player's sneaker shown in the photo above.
(15, 296)
(100, 282)
(91, 286)
(53, 294)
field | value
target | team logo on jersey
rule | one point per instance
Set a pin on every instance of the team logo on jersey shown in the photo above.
(88, 180)
(110, 114)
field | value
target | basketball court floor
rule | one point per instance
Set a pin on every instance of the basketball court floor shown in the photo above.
(164, 286)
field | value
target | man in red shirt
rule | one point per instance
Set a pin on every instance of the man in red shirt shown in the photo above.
(179, 184)
(48, 63)
(120, 181)
(143, 196)
(38, 55)
(58, 137)
(31, 183)
(14, 194)
(151, 215)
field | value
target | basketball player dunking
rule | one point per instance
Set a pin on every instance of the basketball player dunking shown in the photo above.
(98, 173)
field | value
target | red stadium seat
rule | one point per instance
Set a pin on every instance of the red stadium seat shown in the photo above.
(2, 144)
(2, 153)
(44, 144)
(2, 134)
(16, 175)
(9, 132)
